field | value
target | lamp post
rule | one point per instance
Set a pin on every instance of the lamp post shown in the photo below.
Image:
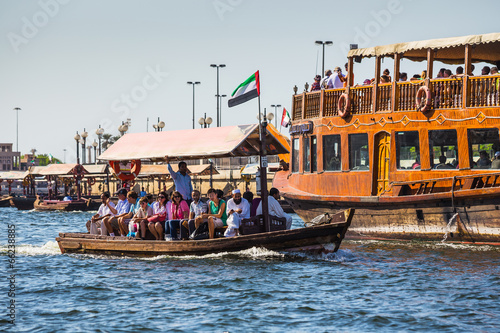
(319, 42)
(205, 121)
(270, 117)
(94, 144)
(77, 139)
(123, 128)
(275, 106)
(218, 109)
(17, 109)
(89, 153)
(84, 139)
(194, 83)
(159, 126)
(99, 132)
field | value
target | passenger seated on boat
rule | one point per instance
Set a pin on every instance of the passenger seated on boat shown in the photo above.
(249, 196)
(103, 212)
(334, 81)
(142, 214)
(496, 161)
(416, 164)
(275, 208)
(196, 208)
(385, 79)
(403, 77)
(484, 160)
(156, 223)
(324, 80)
(216, 216)
(179, 211)
(416, 77)
(110, 223)
(442, 163)
(315, 86)
(387, 74)
(133, 199)
(237, 209)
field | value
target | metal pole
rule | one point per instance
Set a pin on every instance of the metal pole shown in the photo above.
(218, 124)
(263, 172)
(193, 104)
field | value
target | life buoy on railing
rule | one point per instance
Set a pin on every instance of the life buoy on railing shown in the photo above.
(78, 171)
(135, 168)
(344, 105)
(423, 91)
(91, 181)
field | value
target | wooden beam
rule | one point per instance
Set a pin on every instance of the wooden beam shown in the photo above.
(375, 84)
(468, 72)
(350, 73)
(394, 94)
(430, 62)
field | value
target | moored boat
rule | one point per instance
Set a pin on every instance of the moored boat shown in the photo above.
(411, 157)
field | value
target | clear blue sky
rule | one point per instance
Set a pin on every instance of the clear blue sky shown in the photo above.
(74, 64)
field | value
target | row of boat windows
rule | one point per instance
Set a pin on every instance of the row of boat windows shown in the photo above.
(443, 147)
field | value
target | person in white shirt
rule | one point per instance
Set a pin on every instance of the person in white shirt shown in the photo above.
(335, 81)
(275, 208)
(325, 79)
(94, 224)
(237, 208)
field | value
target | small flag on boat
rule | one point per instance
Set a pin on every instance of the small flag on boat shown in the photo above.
(285, 119)
(245, 91)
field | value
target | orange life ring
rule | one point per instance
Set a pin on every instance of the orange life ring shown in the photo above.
(344, 105)
(78, 171)
(135, 168)
(424, 90)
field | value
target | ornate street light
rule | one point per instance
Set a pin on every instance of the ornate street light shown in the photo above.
(84, 138)
(123, 128)
(77, 139)
(205, 121)
(99, 132)
(94, 144)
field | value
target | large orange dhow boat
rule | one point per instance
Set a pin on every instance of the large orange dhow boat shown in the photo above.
(413, 158)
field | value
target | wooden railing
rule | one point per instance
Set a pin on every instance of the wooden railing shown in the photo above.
(482, 91)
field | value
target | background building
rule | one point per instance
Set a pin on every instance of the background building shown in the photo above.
(9, 160)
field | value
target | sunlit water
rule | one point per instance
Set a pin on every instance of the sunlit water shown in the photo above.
(366, 286)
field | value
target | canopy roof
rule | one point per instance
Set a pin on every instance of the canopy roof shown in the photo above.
(241, 140)
(202, 170)
(58, 169)
(96, 169)
(162, 169)
(486, 48)
(36, 170)
(15, 175)
(253, 168)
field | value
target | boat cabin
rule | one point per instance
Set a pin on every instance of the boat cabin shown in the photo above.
(403, 137)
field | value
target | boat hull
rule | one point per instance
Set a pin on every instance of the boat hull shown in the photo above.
(68, 206)
(315, 239)
(23, 203)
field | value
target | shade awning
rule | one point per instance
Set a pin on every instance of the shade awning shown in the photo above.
(36, 170)
(13, 175)
(96, 169)
(229, 141)
(202, 170)
(58, 169)
(486, 48)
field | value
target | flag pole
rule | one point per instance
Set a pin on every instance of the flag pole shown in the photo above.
(263, 169)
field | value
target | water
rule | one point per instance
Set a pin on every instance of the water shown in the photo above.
(366, 286)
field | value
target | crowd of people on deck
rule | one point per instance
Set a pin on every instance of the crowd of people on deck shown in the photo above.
(142, 217)
(336, 79)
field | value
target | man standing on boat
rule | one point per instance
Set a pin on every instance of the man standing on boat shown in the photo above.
(335, 80)
(237, 208)
(182, 180)
(275, 208)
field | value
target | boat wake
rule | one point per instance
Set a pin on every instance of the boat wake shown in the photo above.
(48, 249)
(448, 227)
(252, 253)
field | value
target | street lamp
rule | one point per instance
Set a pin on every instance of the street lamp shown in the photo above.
(99, 132)
(270, 116)
(123, 128)
(275, 106)
(194, 84)
(205, 121)
(94, 144)
(319, 42)
(17, 127)
(159, 126)
(218, 108)
(89, 148)
(84, 138)
(77, 139)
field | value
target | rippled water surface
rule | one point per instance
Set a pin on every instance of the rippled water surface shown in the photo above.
(366, 286)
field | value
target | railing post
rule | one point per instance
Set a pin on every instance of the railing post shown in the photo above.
(395, 94)
(375, 84)
(467, 71)
(304, 105)
(430, 62)
(350, 73)
(321, 103)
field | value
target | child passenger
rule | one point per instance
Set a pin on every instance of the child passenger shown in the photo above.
(142, 214)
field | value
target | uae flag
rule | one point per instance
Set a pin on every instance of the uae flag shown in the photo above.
(285, 119)
(245, 91)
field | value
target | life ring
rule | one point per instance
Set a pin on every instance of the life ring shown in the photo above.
(424, 90)
(344, 105)
(135, 168)
(91, 181)
(78, 171)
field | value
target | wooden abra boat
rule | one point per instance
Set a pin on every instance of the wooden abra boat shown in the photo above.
(23, 203)
(411, 157)
(309, 239)
(68, 206)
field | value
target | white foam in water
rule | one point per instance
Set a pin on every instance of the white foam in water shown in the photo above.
(448, 227)
(49, 248)
(254, 253)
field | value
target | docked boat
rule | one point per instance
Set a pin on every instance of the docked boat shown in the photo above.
(5, 201)
(414, 158)
(260, 231)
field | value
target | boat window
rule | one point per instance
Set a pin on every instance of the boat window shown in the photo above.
(358, 152)
(443, 149)
(407, 150)
(483, 144)
(306, 158)
(295, 155)
(331, 152)
(314, 154)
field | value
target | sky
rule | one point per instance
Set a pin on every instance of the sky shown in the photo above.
(72, 65)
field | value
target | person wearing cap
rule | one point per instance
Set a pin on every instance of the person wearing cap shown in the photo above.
(122, 208)
(182, 180)
(237, 208)
(335, 81)
(496, 162)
